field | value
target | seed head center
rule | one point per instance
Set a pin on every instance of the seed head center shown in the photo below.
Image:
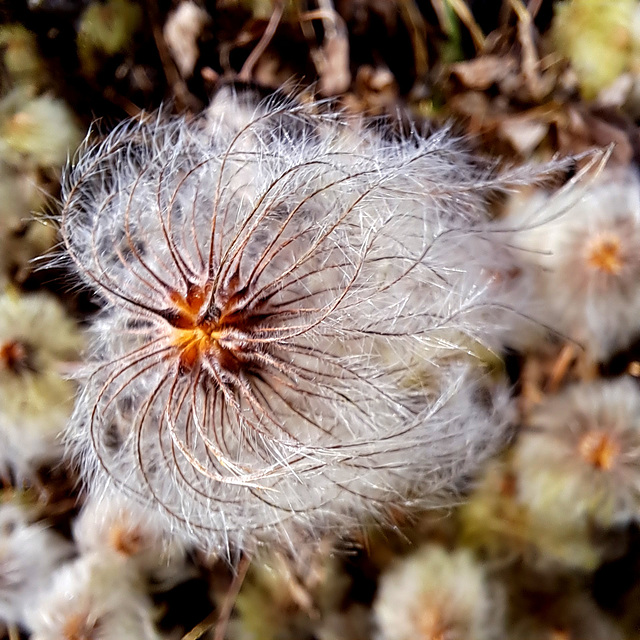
(430, 624)
(197, 333)
(197, 342)
(599, 449)
(125, 540)
(604, 254)
(20, 124)
(78, 627)
(14, 356)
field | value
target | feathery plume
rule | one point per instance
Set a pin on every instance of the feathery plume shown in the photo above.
(293, 308)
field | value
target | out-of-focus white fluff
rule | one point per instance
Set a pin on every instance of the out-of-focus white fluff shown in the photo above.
(438, 594)
(21, 238)
(95, 596)
(39, 131)
(113, 524)
(584, 245)
(293, 308)
(29, 554)
(501, 527)
(37, 338)
(578, 460)
(570, 615)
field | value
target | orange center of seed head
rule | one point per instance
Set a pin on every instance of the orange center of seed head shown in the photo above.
(429, 624)
(604, 254)
(14, 356)
(196, 334)
(599, 450)
(19, 124)
(77, 627)
(125, 540)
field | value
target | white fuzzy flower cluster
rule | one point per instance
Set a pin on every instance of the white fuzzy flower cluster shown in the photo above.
(93, 597)
(578, 458)
(570, 479)
(295, 313)
(119, 527)
(37, 340)
(582, 247)
(436, 594)
(29, 554)
(101, 593)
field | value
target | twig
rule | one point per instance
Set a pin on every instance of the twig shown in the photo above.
(466, 17)
(184, 98)
(220, 619)
(534, 7)
(200, 629)
(332, 58)
(530, 60)
(560, 367)
(263, 43)
(230, 597)
(129, 107)
(418, 32)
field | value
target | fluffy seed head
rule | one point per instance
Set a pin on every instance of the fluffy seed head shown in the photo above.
(20, 55)
(598, 38)
(37, 338)
(94, 597)
(29, 554)
(435, 594)
(290, 305)
(578, 458)
(41, 130)
(585, 246)
(498, 522)
(116, 525)
(567, 617)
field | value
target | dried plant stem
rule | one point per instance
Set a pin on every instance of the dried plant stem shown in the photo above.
(418, 32)
(466, 17)
(267, 36)
(184, 97)
(463, 14)
(199, 630)
(221, 619)
(230, 597)
(561, 367)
